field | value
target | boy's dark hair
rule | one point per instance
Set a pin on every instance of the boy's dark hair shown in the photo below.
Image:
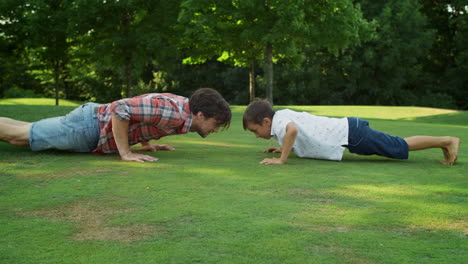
(256, 111)
(211, 104)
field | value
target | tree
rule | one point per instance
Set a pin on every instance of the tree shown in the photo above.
(446, 61)
(243, 32)
(15, 78)
(126, 35)
(457, 79)
(388, 68)
(41, 26)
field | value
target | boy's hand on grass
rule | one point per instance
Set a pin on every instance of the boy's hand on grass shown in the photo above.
(273, 150)
(272, 161)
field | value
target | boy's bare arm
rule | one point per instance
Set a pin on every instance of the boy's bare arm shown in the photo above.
(288, 142)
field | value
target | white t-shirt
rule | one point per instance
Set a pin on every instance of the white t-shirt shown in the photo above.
(318, 137)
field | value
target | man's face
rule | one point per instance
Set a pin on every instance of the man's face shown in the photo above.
(204, 126)
(261, 131)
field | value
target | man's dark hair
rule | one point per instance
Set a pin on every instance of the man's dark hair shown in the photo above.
(256, 111)
(211, 104)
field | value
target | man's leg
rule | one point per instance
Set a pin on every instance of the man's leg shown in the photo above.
(14, 132)
(449, 146)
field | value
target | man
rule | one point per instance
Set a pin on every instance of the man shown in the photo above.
(115, 127)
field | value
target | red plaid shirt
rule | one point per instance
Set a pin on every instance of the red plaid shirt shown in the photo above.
(151, 116)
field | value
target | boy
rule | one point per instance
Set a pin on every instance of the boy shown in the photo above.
(325, 138)
(114, 127)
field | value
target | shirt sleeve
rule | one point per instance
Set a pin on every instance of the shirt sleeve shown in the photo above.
(159, 111)
(278, 128)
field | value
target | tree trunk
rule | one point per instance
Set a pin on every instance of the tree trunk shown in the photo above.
(269, 72)
(56, 80)
(128, 74)
(128, 58)
(252, 81)
(269, 64)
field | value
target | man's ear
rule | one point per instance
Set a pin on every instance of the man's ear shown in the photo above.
(200, 115)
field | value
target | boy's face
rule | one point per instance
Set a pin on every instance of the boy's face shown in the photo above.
(261, 131)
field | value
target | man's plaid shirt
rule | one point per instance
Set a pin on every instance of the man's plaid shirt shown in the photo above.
(151, 116)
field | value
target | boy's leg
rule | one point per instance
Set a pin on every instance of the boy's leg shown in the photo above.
(449, 146)
(14, 132)
(364, 140)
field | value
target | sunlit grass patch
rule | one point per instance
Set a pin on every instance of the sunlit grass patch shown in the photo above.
(381, 112)
(37, 101)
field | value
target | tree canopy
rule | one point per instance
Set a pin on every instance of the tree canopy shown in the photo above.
(403, 52)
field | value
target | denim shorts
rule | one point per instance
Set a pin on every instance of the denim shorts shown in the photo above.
(365, 141)
(77, 131)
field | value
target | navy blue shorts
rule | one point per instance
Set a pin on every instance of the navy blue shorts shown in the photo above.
(365, 141)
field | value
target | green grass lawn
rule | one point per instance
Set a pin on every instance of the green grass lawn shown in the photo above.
(210, 201)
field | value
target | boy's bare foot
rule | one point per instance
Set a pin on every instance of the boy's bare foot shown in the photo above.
(451, 151)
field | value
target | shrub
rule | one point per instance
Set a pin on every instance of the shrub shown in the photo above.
(16, 92)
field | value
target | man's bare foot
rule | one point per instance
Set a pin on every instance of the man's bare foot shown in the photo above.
(451, 151)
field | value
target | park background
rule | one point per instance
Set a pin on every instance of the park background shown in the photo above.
(328, 52)
(210, 201)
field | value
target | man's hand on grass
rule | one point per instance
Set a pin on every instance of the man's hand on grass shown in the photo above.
(130, 156)
(155, 147)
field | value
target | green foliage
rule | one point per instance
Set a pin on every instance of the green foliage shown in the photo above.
(456, 75)
(19, 93)
(390, 68)
(237, 32)
(404, 52)
(231, 82)
(386, 68)
(209, 201)
(14, 68)
(124, 37)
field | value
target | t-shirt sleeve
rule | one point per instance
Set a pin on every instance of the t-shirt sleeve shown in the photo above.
(278, 127)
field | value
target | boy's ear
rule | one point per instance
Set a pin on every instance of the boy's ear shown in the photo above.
(266, 121)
